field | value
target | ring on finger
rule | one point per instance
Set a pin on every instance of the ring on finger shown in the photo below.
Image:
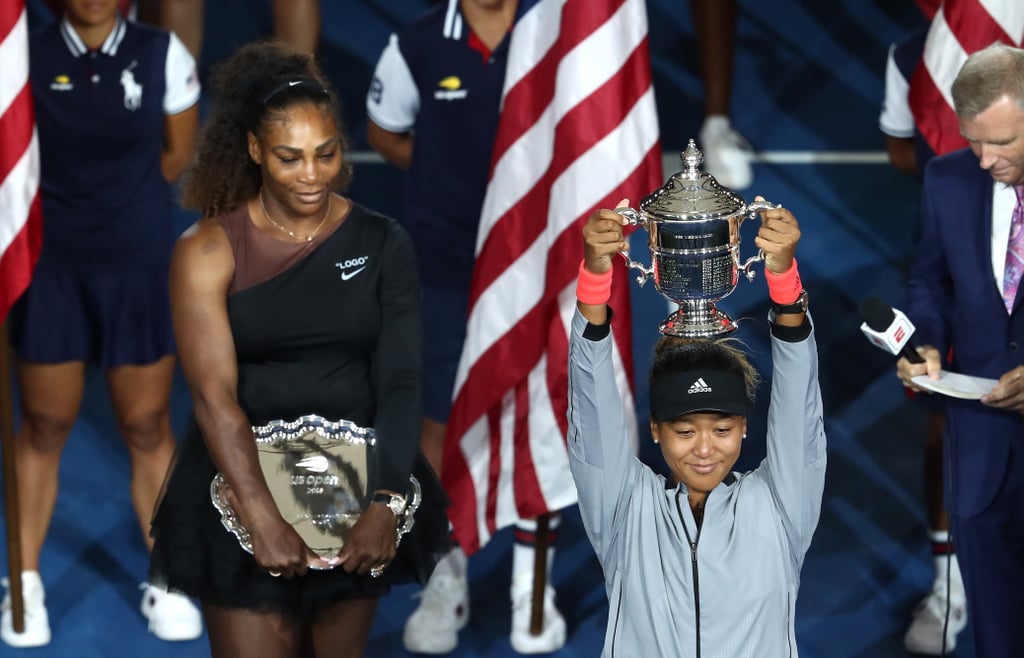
(376, 571)
(275, 574)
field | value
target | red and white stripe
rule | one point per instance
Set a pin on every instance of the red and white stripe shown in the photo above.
(20, 213)
(959, 28)
(578, 131)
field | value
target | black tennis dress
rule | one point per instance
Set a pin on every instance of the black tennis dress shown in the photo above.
(330, 327)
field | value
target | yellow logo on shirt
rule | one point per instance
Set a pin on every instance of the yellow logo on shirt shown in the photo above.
(451, 89)
(61, 83)
(451, 82)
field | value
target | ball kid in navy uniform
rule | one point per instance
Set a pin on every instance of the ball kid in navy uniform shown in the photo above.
(115, 108)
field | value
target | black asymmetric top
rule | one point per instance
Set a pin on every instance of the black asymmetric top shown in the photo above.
(333, 329)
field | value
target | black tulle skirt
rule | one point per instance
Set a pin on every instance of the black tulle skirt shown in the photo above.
(194, 554)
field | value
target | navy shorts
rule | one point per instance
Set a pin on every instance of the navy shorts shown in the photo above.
(110, 318)
(444, 332)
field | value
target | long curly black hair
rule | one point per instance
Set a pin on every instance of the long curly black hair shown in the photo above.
(251, 89)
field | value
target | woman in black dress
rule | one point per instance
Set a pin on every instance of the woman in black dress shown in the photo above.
(289, 300)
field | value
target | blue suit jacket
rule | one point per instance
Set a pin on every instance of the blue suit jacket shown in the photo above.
(953, 301)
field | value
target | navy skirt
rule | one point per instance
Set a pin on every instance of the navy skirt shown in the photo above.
(107, 317)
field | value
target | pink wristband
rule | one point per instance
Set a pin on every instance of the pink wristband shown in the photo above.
(784, 288)
(593, 289)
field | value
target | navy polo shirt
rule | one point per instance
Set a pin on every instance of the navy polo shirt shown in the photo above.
(435, 78)
(100, 119)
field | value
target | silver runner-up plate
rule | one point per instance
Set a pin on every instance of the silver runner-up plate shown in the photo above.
(317, 471)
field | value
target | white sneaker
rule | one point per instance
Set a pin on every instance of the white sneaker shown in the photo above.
(37, 621)
(434, 626)
(552, 634)
(726, 154)
(171, 616)
(924, 636)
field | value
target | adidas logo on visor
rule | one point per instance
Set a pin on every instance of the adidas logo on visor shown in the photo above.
(699, 386)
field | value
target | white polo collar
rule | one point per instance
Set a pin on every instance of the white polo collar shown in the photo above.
(453, 22)
(77, 46)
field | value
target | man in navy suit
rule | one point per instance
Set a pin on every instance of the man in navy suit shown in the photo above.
(963, 293)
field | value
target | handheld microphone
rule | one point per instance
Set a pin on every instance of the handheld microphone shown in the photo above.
(888, 329)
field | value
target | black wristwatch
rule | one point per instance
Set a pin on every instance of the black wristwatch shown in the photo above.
(799, 306)
(394, 502)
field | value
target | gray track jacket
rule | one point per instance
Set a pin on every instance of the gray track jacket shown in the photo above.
(725, 591)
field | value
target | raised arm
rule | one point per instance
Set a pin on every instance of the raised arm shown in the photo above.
(794, 469)
(600, 451)
(201, 269)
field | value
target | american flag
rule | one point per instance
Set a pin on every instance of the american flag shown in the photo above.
(20, 213)
(959, 28)
(929, 7)
(578, 131)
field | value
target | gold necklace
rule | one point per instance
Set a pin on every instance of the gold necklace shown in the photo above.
(291, 234)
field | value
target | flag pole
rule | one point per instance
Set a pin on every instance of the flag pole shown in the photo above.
(542, 538)
(11, 513)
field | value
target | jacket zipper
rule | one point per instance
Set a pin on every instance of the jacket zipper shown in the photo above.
(789, 637)
(696, 575)
(618, 613)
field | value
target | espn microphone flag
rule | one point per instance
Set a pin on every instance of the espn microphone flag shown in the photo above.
(888, 328)
(20, 211)
(578, 131)
(959, 28)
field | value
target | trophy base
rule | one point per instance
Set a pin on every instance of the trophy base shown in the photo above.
(697, 319)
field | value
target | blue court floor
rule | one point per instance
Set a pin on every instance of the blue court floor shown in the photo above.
(808, 81)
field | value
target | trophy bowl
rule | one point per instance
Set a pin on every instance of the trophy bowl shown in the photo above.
(693, 227)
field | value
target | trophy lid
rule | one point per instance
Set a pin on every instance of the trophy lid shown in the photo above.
(692, 194)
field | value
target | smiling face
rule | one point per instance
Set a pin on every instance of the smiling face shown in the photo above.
(300, 159)
(700, 448)
(996, 135)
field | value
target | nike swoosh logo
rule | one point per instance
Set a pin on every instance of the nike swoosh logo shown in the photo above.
(345, 276)
(294, 82)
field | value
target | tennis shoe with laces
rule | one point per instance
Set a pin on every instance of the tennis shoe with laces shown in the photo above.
(433, 628)
(924, 635)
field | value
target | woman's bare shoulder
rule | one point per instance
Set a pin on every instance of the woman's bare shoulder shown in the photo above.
(203, 249)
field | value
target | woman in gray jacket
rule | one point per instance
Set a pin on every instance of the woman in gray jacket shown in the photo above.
(706, 564)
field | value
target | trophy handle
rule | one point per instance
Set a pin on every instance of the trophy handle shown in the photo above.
(633, 218)
(753, 208)
(745, 267)
(757, 206)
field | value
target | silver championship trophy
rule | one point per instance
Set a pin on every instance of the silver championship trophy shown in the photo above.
(319, 473)
(693, 226)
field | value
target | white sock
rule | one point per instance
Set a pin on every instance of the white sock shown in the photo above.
(523, 552)
(944, 559)
(715, 124)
